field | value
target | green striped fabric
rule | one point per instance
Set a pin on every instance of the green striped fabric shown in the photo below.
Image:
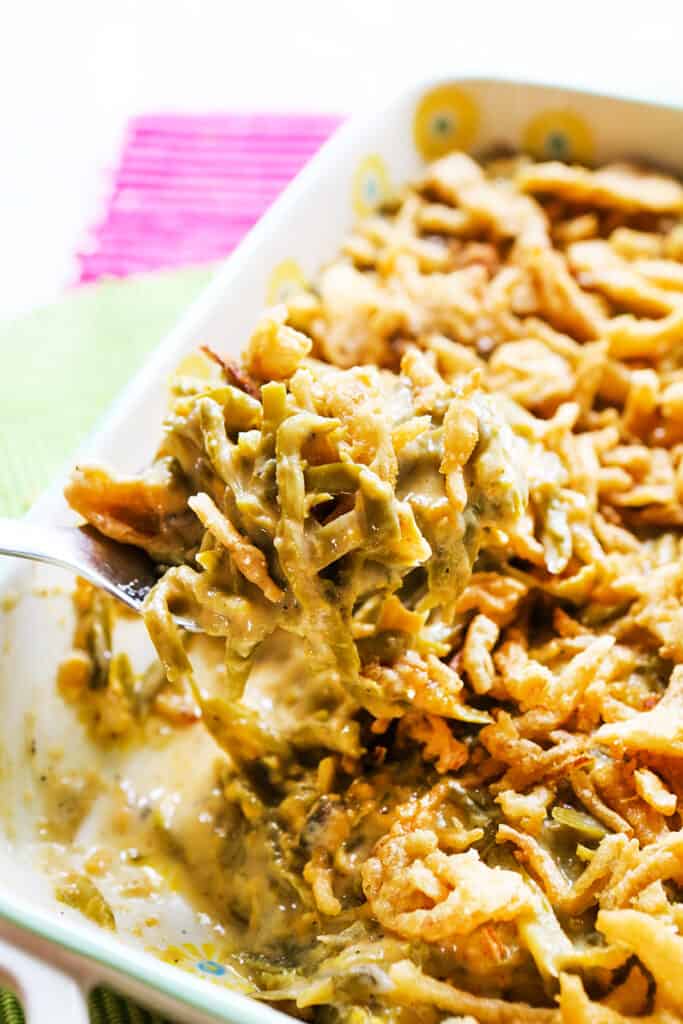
(105, 1008)
(108, 1008)
(10, 1010)
(61, 367)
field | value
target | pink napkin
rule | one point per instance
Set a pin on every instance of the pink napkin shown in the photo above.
(188, 187)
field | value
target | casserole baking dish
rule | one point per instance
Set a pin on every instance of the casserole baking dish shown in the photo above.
(353, 173)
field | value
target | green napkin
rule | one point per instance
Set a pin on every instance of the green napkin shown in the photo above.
(61, 366)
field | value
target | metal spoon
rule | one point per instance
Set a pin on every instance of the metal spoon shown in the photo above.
(124, 571)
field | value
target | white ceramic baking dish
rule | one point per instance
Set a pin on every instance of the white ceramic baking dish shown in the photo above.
(50, 954)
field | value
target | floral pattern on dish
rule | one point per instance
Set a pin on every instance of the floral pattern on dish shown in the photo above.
(371, 185)
(446, 118)
(203, 959)
(559, 135)
(286, 280)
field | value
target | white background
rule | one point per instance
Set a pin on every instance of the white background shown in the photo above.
(73, 71)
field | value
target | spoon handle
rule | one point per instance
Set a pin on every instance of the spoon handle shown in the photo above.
(122, 570)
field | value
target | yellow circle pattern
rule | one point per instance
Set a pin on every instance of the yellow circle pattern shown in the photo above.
(371, 185)
(286, 280)
(203, 959)
(559, 135)
(446, 118)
